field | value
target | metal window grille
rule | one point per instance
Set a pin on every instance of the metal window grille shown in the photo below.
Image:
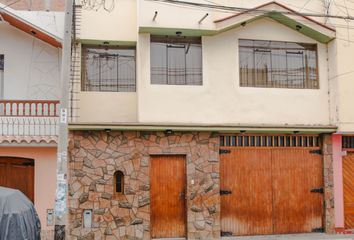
(278, 64)
(348, 142)
(270, 141)
(109, 69)
(176, 60)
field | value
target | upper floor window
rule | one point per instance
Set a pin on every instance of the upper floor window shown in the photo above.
(176, 60)
(278, 64)
(108, 69)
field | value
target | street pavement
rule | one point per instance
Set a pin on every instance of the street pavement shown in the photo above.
(312, 236)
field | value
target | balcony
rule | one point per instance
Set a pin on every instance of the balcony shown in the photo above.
(28, 120)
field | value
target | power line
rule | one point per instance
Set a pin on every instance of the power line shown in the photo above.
(241, 9)
(337, 25)
(308, 1)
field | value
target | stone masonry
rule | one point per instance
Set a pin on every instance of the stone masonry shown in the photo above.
(96, 155)
(328, 183)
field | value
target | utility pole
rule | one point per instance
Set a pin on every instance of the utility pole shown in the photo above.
(61, 209)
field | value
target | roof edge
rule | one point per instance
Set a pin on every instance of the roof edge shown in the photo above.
(280, 5)
(27, 27)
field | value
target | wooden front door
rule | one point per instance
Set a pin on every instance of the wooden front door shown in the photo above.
(168, 188)
(348, 190)
(270, 191)
(18, 173)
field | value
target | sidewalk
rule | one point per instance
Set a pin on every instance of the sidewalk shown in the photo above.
(312, 236)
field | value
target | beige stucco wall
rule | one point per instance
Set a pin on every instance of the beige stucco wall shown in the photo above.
(107, 107)
(169, 15)
(341, 68)
(116, 25)
(32, 67)
(44, 176)
(221, 100)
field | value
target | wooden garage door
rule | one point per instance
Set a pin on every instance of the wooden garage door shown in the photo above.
(168, 187)
(18, 173)
(348, 190)
(270, 188)
(248, 209)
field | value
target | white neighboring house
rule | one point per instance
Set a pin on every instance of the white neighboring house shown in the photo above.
(30, 58)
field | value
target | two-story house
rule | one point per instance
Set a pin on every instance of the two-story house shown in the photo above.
(30, 55)
(200, 120)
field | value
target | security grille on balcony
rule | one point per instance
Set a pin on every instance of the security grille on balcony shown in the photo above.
(348, 142)
(278, 64)
(270, 141)
(29, 117)
(176, 60)
(108, 69)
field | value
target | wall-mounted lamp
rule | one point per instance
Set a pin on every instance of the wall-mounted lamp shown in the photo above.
(168, 131)
(155, 15)
(204, 17)
(178, 33)
(242, 131)
(108, 130)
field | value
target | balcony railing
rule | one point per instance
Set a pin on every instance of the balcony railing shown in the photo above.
(29, 108)
(29, 117)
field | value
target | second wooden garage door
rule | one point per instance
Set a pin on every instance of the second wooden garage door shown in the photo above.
(348, 190)
(270, 190)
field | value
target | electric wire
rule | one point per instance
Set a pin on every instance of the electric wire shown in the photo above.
(242, 9)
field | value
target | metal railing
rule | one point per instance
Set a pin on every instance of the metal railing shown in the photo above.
(29, 117)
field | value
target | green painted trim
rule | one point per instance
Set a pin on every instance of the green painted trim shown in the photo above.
(281, 18)
(221, 129)
(111, 43)
(307, 31)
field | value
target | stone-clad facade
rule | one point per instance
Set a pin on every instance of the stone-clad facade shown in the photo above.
(96, 155)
